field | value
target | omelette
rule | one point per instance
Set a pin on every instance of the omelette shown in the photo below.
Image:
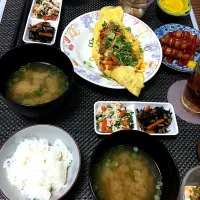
(116, 52)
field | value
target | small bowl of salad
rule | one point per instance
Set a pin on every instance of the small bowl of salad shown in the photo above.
(112, 116)
(190, 187)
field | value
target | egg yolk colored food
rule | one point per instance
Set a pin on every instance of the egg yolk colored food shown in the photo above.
(175, 6)
(191, 64)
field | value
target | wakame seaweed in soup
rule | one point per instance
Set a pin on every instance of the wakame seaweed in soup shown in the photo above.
(126, 173)
(36, 83)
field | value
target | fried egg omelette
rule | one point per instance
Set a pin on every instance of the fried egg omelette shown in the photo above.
(116, 52)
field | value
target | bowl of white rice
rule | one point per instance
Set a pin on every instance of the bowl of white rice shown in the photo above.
(41, 162)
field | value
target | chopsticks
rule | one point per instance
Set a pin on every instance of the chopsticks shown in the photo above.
(21, 22)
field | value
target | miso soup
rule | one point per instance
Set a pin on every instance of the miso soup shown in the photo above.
(36, 83)
(126, 173)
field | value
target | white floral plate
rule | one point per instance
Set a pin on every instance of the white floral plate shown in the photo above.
(76, 36)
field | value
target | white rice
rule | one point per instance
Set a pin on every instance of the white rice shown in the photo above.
(36, 168)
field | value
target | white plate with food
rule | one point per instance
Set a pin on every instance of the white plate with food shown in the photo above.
(42, 23)
(80, 38)
(155, 118)
(39, 162)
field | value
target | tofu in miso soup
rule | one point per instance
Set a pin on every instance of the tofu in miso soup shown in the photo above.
(36, 83)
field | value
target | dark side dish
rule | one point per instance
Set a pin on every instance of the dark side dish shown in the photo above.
(41, 32)
(154, 120)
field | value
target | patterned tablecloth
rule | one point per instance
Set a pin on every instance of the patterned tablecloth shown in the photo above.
(76, 115)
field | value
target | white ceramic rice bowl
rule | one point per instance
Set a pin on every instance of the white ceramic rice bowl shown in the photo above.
(51, 133)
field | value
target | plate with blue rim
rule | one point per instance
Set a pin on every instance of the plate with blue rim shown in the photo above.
(161, 31)
(76, 44)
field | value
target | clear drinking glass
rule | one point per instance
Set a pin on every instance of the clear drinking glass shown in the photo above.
(136, 8)
(192, 178)
(190, 99)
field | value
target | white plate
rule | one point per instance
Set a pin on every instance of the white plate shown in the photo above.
(133, 105)
(51, 133)
(75, 39)
(32, 21)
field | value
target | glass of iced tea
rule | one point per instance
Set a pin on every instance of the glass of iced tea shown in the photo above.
(190, 99)
(136, 8)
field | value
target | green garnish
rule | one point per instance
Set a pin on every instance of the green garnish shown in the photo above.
(116, 28)
(104, 76)
(111, 35)
(117, 124)
(112, 113)
(54, 71)
(64, 84)
(136, 37)
(43, 12)
(128, 29)
(91, 59)
(191, 197)
(107, 42)
(129, 115)
(104, 24)
(88, 64)
(17, 75)
(119, 46)
(91, 41)
(196, 191)
(38, 92)
(14, 78)
(141, 50)
(39, 16)
(123, 51)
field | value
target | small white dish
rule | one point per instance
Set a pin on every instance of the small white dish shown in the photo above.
(32, 21)
(133, 105)
(51, 133)
(127, 104)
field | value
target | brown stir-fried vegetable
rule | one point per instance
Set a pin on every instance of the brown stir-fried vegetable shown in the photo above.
(154, 120)
(41, 32)
(115, 50)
